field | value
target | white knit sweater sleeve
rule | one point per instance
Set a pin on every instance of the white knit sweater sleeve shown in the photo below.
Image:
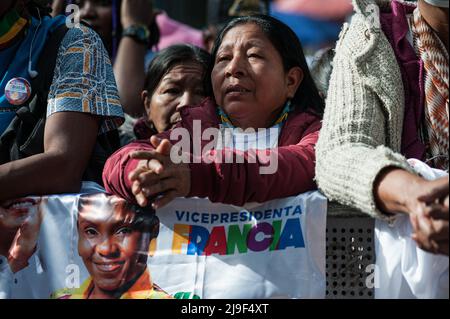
(356, 140)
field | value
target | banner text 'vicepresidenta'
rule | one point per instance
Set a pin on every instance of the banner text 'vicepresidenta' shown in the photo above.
(239, 232)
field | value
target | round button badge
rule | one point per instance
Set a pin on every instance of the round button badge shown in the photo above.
(17, 91)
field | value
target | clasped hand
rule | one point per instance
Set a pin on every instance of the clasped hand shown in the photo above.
(429, 217)
(157, 178)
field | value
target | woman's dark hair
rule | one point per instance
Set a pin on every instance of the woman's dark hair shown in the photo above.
(285, 41)
(168, 58)
(145, 219)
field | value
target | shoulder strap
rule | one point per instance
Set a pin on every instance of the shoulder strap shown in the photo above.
(24, 137)
(25, 134)
(46, 68)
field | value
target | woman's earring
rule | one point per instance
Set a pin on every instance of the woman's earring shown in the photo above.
(289, 104)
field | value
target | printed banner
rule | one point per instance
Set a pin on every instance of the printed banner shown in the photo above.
(93, 245)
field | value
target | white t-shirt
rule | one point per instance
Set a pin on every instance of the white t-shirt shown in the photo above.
(238, 139)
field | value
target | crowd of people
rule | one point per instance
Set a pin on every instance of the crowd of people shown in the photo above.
(114, 106)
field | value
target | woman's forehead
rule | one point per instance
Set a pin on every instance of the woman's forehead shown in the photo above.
(245, 31)
(184, 68)
(183, 72)
(106, 214)
(247, 35)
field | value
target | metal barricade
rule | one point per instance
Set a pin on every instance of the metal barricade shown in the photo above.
(350, 254)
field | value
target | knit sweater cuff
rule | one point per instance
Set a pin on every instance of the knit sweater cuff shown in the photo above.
(387, 158)
(350, 181)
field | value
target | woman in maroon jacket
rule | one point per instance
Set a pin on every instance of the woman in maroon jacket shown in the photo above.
(260, 81)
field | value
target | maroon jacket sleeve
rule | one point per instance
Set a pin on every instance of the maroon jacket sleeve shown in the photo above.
(119, 166)
(240, 183)
(231, 183)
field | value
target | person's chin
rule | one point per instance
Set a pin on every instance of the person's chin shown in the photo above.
(238, 110)
(237, 97)
(109, 277)
(109, 285)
